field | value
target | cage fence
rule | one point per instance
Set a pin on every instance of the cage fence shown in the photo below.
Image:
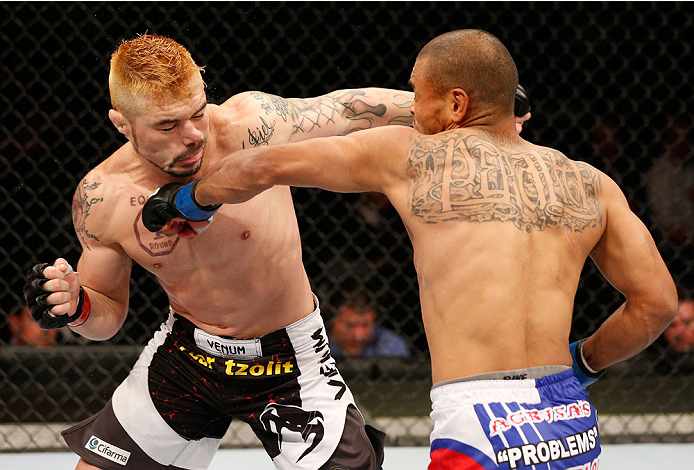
(610, 84)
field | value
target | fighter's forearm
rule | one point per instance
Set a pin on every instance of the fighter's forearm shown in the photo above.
(106, 317)
(627, 332)
(237, 178)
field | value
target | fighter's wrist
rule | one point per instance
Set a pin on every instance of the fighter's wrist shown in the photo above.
(583, 372)
(193, 192)
(188, 206)
(584, 362)
(84, 309)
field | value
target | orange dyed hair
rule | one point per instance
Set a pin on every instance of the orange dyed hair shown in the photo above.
(150, 66)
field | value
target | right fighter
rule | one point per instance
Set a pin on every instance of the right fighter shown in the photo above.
(501, 230)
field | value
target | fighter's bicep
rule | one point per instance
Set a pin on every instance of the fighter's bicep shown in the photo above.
(88, 209)
(103, 265)
(330, 163)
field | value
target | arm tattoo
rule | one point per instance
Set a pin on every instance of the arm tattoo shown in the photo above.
(403, 102)
(81, 207)
(272, 104)
(468, 178)
(308, 114)
(261, 135)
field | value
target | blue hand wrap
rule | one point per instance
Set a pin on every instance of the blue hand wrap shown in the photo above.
(187, 206)
(579, 366)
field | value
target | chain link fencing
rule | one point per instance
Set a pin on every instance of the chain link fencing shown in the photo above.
(610, 84)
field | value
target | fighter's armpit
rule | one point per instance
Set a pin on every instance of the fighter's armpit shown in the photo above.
(83, 203)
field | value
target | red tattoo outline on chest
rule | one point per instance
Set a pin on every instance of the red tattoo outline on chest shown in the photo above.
(160, 244)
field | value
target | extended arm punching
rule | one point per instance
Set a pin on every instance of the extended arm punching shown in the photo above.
(274, 120)
(366, 161)
(280, 121)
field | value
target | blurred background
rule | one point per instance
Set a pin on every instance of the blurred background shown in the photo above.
(609, 83)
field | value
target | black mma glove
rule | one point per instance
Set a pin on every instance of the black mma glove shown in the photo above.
(174, 200)
(522, 106)
(36, 295)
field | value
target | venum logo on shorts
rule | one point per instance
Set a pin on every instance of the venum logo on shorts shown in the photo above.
(553, 449)
(108, 451)
(328, 368)
(278, 418)
(226, 347)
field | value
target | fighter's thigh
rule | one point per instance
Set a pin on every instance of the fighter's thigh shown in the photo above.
(148, 424)
(316, 423)
(361, 446)
(101, 442)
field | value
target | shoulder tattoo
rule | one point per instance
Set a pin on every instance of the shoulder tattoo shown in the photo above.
(272, 104)
(82, 204)
(466, 178)
(263, 132)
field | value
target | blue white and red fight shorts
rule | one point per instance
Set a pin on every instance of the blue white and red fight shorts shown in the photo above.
(187, 385)
(544, 424)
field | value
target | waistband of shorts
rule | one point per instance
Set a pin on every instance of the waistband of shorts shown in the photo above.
(277, 338)
(474, 384)
(516, 374)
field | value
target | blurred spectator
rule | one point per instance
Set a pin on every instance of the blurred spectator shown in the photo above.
(375, 209)
(24, 331)
(607, 143)
(609, 148)
(671, 184)
(680, 333)
(354, 331)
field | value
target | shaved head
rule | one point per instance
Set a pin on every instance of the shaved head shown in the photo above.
(475, 61)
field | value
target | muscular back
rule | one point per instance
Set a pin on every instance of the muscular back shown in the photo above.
(501, 229)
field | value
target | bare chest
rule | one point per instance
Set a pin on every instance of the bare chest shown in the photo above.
(231, 239)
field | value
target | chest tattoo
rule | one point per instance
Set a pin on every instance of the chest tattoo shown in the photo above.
(154, 244)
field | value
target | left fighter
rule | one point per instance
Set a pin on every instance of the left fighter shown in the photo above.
(244, 331)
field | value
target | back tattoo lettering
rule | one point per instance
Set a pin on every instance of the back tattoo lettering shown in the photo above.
(471, 179)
